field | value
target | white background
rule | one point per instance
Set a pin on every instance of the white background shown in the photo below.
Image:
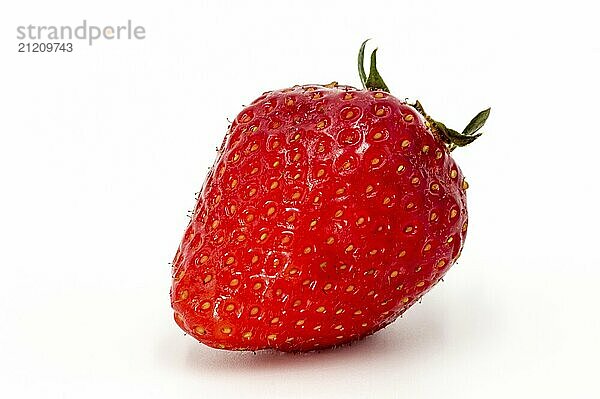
(102, 150)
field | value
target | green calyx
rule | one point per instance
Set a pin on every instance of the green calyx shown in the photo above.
(451, 137)
(374, 81)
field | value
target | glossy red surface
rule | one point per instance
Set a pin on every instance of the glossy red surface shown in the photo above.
(328, 212)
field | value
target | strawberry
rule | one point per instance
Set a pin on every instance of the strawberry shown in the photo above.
(329, 211)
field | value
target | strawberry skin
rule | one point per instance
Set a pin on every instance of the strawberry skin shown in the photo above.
(329, 212)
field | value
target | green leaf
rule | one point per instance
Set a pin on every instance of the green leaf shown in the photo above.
(452, 137)
(375, 81)
(476, 123)
(361, 64)
(460, 139)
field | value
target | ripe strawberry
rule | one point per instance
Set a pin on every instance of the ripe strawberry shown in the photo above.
(329, 211)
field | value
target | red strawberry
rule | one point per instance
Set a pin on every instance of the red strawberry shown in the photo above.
(329, 211)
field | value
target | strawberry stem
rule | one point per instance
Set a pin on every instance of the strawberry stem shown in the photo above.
(374, 81)
(449, 136)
